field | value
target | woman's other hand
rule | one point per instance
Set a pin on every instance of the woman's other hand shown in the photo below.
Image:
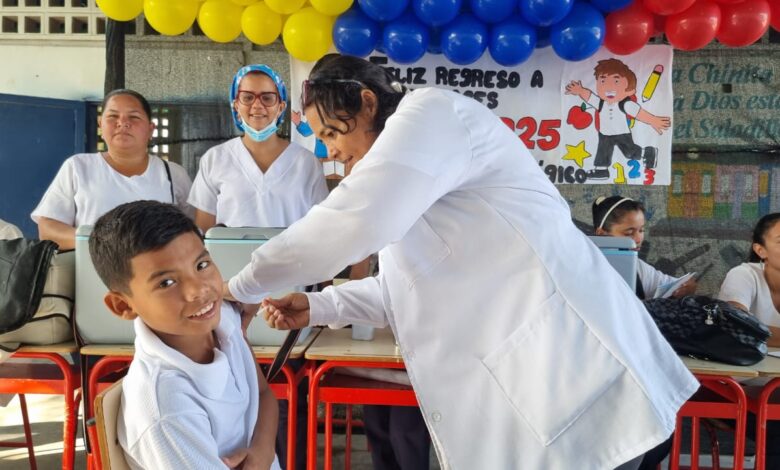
(689, 288)
(288, 313)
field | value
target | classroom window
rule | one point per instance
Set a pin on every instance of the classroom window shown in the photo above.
(79, 25)
(56, 3)
(32, 3)
(32, 24)
(56, 25)
(10, 24)
(10, 3)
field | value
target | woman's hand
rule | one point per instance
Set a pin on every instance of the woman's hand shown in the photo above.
(246, 459)
(288, 313)
(689, 288)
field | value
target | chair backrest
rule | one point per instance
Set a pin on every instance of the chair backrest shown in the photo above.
(107, 405)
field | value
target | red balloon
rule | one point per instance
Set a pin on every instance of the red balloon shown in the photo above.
(659, 24)
(729, 2)
(667, 7)
(744, 23)
(629, 29)
(774, 20)
(695, 27)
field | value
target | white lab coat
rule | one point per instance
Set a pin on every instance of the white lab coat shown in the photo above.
(519, 356)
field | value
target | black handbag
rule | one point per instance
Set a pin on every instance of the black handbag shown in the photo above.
(24, 265)
(707, 328)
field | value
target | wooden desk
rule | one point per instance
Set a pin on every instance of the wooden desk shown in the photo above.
(61, 378)
(117, 356)
(337, 349)
(701, 367)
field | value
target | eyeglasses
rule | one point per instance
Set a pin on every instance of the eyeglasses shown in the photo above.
(267, 98)
(308, 83)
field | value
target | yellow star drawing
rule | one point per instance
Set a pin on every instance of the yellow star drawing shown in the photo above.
(577, 153)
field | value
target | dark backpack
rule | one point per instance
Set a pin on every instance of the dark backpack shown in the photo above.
(24, 265)
(707, 328)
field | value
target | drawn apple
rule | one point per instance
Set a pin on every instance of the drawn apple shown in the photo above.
(578, 117)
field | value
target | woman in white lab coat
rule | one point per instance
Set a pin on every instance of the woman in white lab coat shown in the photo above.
(518, 356)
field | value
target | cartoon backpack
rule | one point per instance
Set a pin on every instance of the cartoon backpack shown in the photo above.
(630, 120)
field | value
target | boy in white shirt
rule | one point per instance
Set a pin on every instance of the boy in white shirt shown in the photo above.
(193, 389)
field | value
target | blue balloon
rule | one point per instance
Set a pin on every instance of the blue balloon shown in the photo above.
(493, 11)
(356, 34)
(580, 34)
(464, 40)
(512, 41)
(436, 12)
(405, 39)
(608, 6)
(434, 44)
(542, 37)
(545, 12)
(383, 10)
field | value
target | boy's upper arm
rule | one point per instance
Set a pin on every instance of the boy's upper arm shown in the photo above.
(178, 441)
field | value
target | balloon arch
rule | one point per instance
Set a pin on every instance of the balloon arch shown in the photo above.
(460, 29)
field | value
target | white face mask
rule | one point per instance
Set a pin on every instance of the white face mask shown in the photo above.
(260, 135)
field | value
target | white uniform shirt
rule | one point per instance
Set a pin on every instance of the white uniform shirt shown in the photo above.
(613, 121)
(495, 296)
(231, 186)
(746, 284)
(652, 278)
(176, 413)
(87, 187)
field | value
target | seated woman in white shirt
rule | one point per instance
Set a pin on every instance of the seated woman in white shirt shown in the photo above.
(257, 179)
(90, 184)
(618, 216)
(755, 286)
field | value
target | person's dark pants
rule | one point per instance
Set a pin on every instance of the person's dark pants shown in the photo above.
(397, 436)
(772, 440)
(607, 144)
(302, 411)
(656, 455)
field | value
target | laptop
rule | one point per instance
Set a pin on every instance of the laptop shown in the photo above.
(621, 254)
(231, 249)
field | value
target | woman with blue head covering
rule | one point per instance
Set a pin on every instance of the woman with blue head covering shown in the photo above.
(257, 179)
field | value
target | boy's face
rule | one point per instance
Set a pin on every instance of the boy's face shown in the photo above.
(176, 290)
(613, 88)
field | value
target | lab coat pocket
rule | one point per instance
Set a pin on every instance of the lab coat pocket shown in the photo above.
(419, 251)
(552, 369)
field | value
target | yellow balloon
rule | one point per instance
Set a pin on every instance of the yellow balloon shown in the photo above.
(220, 20)
(308, 34)
(171, 17)
(260, 24)
(331, 7)
(244, 2)
(121, 10)
(285, 7)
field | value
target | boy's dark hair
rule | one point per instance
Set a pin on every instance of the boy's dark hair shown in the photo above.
(124, 91)
(615, 67)
(605, 218)
(129, 230)
(759, 233)
(334, 87)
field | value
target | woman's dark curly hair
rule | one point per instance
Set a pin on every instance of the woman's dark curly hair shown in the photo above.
(334, 87)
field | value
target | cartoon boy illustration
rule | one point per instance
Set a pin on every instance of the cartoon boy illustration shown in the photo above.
(616, 110)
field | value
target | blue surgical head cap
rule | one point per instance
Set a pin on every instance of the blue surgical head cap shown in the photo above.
(262, 68)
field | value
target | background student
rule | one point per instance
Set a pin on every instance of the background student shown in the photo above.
(90, 184)
(618, 216)
(192, 397)
(755, 288)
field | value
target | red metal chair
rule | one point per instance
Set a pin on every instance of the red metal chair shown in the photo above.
(718, 397)
(57, 378)
(331, 388)
(765, 409)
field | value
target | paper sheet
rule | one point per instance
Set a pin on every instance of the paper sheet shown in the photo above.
(666, 290)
